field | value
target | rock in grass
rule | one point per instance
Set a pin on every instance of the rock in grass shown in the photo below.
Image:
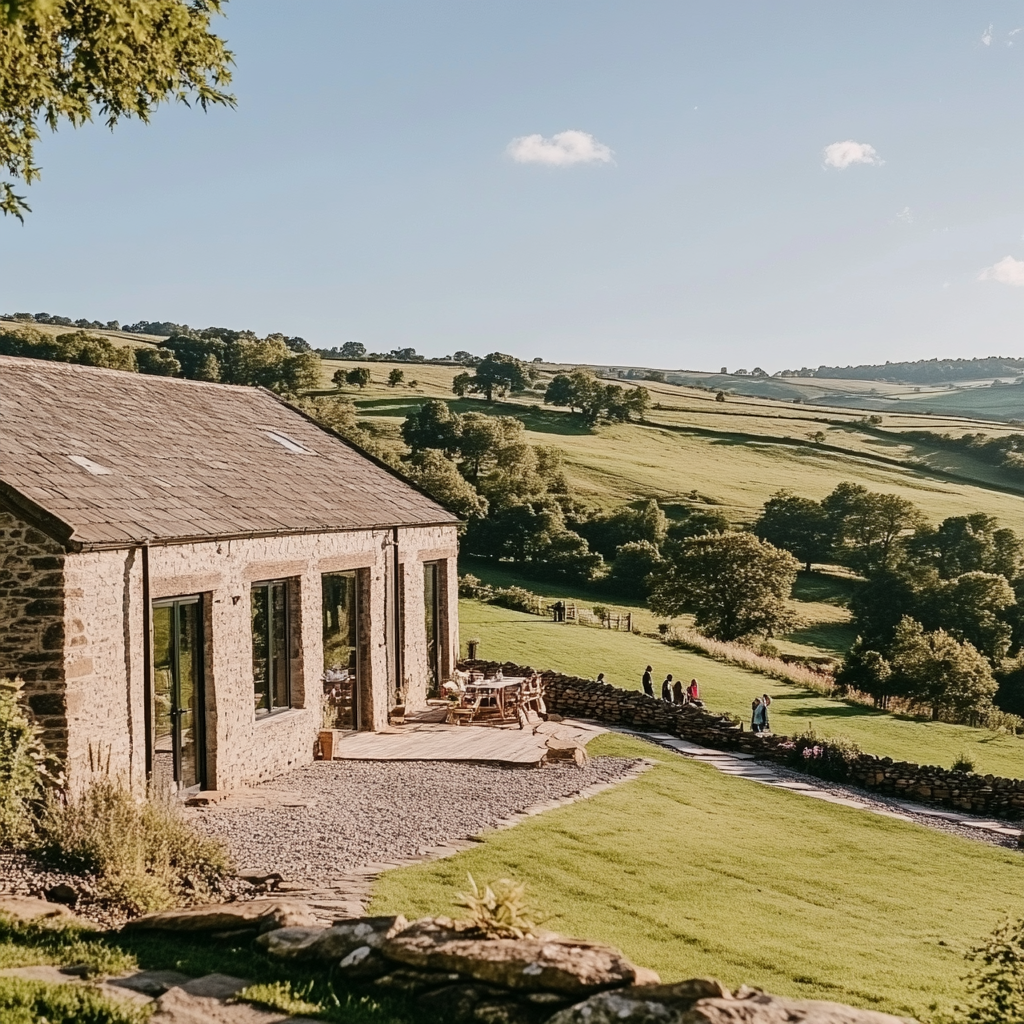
(261, 915)
(552, 963)
(762, 1008)
(705, 1001)
(332, 943)
(27, 908)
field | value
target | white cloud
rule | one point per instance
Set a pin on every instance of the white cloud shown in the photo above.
(1006, 271)
(905, 215)
(842, 154)
(986, 36)
(561, 150)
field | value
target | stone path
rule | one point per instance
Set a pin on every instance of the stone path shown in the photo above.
(745, 766)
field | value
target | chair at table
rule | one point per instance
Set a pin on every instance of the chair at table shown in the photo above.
(465, 711)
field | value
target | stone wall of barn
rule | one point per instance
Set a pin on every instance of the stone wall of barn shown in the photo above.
(417, 546)
(32, 629)
(104, 658)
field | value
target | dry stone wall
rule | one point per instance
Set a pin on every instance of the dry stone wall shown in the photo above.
(32, 629)
(925, 784)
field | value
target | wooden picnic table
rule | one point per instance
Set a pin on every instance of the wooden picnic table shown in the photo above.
(499, 688)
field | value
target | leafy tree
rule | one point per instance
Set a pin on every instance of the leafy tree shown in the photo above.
(953, 678)
(972, 543)
(193, 355)
(631, 571)
(441, 479)
(698, 522)
(606, 533)
(359, 376)
(970, 608)
(866, 526)
(996, 983)
(735, 584)
(533, 533)
(353, 350)
(66, 59)
(656, 376)
(560, 391)
(496, 372)
(881, 603)
(799, 525)
(157, 361)
(433, 425)
(395, 377)
(867, 670)
(301, 372)
(582, 392)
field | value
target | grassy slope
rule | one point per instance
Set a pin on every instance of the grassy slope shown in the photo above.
(531, 640)
(731, 879)
(734, 455)
(823, 628)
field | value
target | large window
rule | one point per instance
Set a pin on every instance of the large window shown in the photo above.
(431, 608)
(341, 650)
(271, 641)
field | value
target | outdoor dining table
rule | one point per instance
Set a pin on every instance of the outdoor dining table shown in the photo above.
(498, 687)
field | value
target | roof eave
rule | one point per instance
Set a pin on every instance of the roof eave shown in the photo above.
(35, 515)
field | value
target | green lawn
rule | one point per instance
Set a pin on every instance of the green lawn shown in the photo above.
(692, 872)
(532, 640)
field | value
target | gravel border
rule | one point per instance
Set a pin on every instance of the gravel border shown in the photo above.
(366, 812)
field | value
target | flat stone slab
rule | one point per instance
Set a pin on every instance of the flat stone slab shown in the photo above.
(151, 983)
(28, 908)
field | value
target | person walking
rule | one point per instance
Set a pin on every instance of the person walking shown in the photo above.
(766, 703)
(648, 681)
(666, 689)
(678, 697)
(755, 714)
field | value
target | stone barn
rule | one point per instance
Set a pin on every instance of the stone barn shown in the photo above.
(196, 578)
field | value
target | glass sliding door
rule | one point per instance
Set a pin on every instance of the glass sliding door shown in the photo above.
(341, 650)
(431, 578)
(178, 717)
(271, 675)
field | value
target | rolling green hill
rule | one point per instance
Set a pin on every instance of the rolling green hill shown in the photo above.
(732, 454)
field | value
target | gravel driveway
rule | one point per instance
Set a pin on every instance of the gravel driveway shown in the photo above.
(364, 812)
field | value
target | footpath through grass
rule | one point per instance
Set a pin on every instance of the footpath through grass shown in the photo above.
(692, 872)
(578, 650)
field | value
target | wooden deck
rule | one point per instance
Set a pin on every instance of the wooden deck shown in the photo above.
(426, 737)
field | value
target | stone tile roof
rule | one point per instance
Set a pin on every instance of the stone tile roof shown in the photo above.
(107, 458)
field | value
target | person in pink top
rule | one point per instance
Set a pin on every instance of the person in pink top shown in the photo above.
(693, 691)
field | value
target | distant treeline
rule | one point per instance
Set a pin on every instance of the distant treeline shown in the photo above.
(921, 371)
(1006, 451)
(216, 354)
(168, 329)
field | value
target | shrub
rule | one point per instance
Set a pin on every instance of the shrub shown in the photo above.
(997, 982)
(470, 586)
(499, 910)
(145, 856)
(827, 759)
(517, 598)
(963, 763)
(22, 766)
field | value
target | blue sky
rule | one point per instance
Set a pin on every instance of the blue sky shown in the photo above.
(367, 186)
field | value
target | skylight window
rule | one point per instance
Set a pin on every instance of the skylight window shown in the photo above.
(286, 442)
(89, 466)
